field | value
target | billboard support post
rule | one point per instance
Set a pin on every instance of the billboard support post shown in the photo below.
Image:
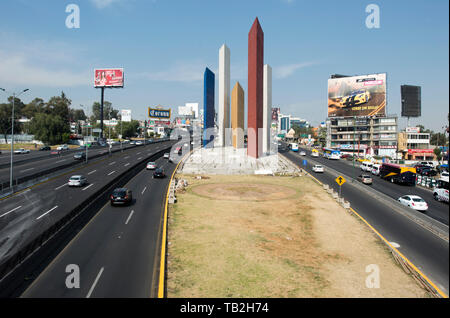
(101, 112)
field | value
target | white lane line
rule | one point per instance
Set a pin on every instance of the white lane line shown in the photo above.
(112, 163)
(394, 244)
(95, 282)
(10, 211)
(92, 172)
(60, 161)
(47, 212)
(88, 187)
(127, 157)
(129, 217)
(27, 170)
(127, 164)
(144, 190)
(138, 153)
(139, 158)
(111, 173)
(61, 186)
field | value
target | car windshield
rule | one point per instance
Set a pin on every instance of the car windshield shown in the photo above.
(75, 178)
(366, 176)
(119, 192)
(151, 163)
(159, 170)
(418, 200)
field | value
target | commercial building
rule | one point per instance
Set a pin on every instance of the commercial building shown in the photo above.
(367, 135)
(414, 145)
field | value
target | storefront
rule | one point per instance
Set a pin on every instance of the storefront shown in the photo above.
(420, 154)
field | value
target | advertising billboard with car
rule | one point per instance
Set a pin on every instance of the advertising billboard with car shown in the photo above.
(363, 95)
(110, 77)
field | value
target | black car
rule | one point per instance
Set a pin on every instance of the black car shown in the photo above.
(45, 148)
(428, 172)
(159, 173)
(79, 156)
(121, 196)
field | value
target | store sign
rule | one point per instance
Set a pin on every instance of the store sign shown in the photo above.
(413, 129)
(419, 151)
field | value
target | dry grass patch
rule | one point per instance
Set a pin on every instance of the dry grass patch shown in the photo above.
(294, 241)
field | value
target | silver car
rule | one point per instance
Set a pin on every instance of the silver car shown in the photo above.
(77, 181)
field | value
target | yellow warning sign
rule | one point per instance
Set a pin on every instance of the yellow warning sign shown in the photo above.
(340, 180)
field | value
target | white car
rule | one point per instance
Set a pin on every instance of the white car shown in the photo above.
(317, 168)
(21, 151)
(151, 166)
(314, 154)
(166, 155)
(77, 181)
(62, 147)
(139, 143)
(414, 202)
(302, 153)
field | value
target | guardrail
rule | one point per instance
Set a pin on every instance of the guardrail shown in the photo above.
(52, 232)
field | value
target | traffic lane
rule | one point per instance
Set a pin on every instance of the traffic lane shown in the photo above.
(39, 210)
(436, 210)
(32, 167)
(122, 263)
(426, 250)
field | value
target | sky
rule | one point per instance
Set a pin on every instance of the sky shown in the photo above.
(165, 45)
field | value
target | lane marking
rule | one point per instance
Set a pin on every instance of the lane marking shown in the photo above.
(92, 172)
(138, 153)
(129, 217)
(139, 158)
(61, 186)
(127, 157)
(127, 164)
(10, 211)
(394, 244)
(27, 170)
(88, 187)
(144, 190)
(47, 212)
(112, 163)
(95, 282)
(111, 173)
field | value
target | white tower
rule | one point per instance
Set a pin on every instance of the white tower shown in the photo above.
(224, 93)
(267, 107)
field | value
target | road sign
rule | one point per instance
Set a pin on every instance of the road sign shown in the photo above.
(340, 180)
(305, 162)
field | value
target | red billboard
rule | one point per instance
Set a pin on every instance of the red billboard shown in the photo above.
(110, 77)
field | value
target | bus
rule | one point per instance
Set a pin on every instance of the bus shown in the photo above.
(330, 153)
(293, 147)
(440, 192)
(398, 174)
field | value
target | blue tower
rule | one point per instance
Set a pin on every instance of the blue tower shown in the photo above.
(208, 109)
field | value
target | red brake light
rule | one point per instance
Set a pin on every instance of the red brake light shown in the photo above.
(112, 197)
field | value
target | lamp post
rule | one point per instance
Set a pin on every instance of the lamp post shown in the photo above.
(12, 133)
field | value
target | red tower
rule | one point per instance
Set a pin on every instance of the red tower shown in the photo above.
(255, 89)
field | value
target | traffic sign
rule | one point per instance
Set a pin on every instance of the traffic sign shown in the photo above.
(340, 180)
(305, 162)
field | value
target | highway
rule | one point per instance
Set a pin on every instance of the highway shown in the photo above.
(26, 165)
(427, 251)
(118, 250)
(26, 215)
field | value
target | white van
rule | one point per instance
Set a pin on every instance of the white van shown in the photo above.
(366, 166)
(376, 169)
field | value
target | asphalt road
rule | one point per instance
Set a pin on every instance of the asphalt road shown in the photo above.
(36, 162)
(117, 252)
(26, 215)
(424, 249)
(436, 210)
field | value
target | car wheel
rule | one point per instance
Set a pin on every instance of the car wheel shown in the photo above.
(436, 196)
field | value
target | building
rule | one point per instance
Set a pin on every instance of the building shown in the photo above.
(375, 136)
(414, 145)
(189, 109)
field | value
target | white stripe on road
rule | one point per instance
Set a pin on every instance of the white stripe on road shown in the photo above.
(88, 187)
(61, 186)
(27, 170)
(127, 157)
(139, 158)
(111, 173)
(144, 190)
(10, 211)
(95, 282)
(129, 217)
(112, 163)
(47, 212)
(138, 153)
(92, 172)
(127, 164)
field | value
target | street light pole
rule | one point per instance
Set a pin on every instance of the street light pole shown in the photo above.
(12, 134)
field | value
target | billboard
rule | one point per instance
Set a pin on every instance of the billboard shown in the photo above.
(159, 113)
(363, 95)
(125, 115)
(110, 77)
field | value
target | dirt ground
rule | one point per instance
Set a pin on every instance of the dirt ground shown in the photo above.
(262, 236)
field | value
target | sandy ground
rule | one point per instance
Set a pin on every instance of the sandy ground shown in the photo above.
(230, 236)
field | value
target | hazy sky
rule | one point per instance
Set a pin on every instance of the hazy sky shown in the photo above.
(165, 45)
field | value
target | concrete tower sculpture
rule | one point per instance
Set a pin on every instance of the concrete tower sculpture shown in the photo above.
(224, 94)
(237, 116)
(208, 109)
(255, 89)
(267, 109)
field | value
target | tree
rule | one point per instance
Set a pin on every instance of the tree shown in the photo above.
(59, 106)
(129, 129)
(50, 129)
(37, 105)
(108, 111)
(437, 151)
